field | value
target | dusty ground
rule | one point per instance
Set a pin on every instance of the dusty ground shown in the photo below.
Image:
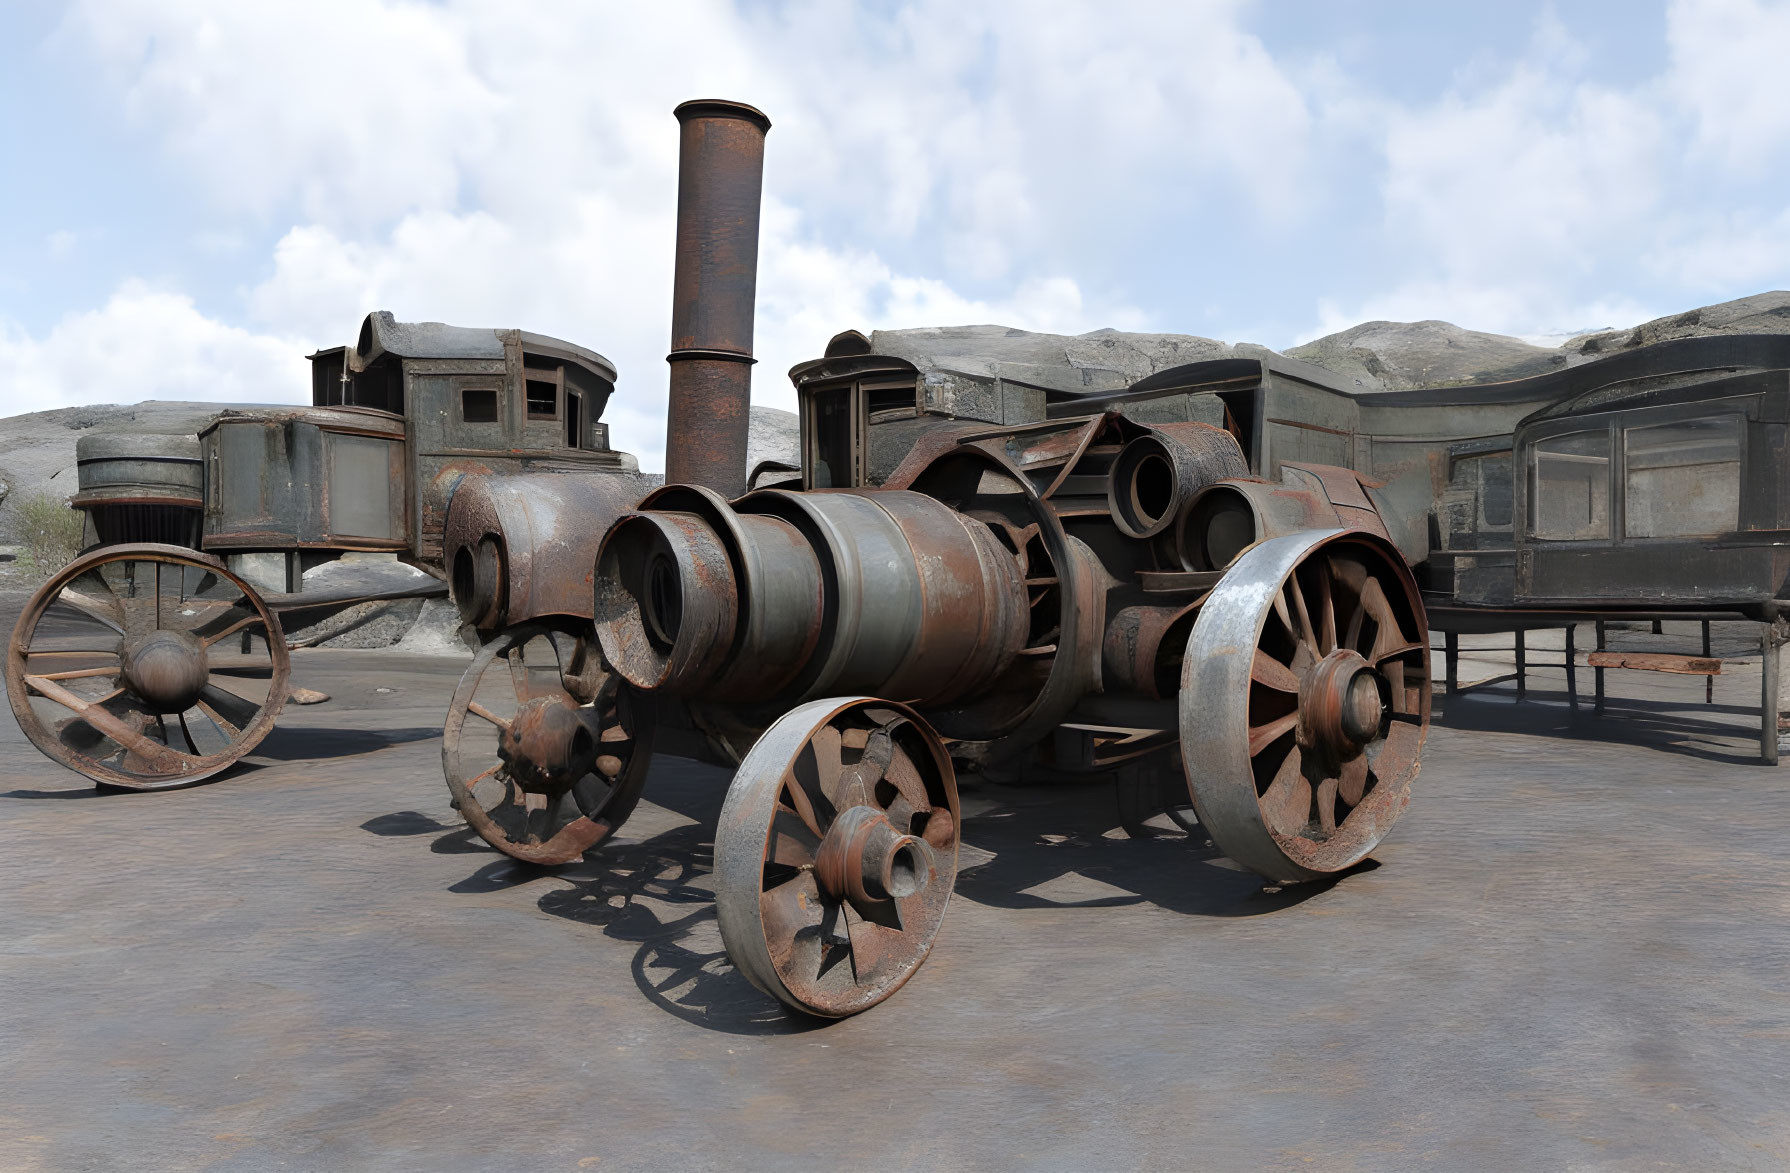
(1571, 954)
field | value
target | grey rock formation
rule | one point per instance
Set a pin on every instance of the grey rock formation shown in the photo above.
(773, 434)
(1098, 361)
(1395, 356)
(1762, 313)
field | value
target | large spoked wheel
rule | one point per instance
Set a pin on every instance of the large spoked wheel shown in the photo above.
(125, 667)
(556, 750)
(1305, 700)
(836, 854)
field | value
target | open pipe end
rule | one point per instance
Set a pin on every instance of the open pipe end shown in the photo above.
(477, 583)
(722, 108)
(666, 601)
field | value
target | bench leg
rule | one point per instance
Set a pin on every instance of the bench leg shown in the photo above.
(1572, 670)
(1768, 695)
(1522, 665)
(1451, 661)
(1708, 681)
(1600, 672)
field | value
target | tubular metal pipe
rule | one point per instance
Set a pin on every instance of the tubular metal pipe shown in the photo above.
(720, 178)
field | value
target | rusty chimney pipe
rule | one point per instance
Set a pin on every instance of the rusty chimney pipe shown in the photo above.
(720, 176)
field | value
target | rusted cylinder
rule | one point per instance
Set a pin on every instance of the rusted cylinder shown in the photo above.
(666, 601)
(1228, 518)
(885, 592)
(520, 547)
(1141, 650)
(923, 604)
(714, 287)
(1157, 474)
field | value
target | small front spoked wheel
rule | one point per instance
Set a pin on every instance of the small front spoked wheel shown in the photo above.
(836, 854)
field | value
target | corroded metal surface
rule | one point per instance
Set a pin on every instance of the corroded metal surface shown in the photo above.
(1305, 701)
(836, 853)
(544, 751)
(119, 667)
(881, 591)
(522, 547)
(720, 174)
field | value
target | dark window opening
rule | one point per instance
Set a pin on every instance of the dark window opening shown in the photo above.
(574, 420)
(896, 402)
(543, 400)
(478, 405)
(830, 438)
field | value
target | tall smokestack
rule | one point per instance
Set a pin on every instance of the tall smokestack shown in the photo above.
(719, 180)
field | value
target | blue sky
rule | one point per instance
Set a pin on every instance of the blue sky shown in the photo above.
(201, 191)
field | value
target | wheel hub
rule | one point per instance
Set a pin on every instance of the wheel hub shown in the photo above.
(865, 860)
(167, 669)
(1342, 704)
(548, 746)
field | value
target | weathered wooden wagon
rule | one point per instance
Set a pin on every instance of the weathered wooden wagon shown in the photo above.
(159, 657)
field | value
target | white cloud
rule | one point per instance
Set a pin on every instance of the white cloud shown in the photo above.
(147, 344)
(1727, 74)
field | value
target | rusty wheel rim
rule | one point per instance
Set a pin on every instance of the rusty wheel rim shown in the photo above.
(125, 666)
(545, 752)
(1305, 702)
(836, 854)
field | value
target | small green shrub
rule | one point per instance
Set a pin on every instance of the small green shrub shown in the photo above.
(49, 533)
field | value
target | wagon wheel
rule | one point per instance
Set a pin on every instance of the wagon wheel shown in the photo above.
(557, 752)
(836, 854)
(121, 667)
(1305, 700)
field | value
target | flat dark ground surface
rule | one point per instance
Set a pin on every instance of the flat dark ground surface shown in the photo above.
(1572, 954)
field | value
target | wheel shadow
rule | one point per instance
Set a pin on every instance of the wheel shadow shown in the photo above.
(322, 743)
(1024, 848)
(1722, 733)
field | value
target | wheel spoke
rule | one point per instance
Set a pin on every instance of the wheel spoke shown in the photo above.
(1386, 633)
(792, 913)
(208, 636)
(825, 748)
(238, 711)
(1352, 782)
(1271, 672)
(78, 673)
(1286, 804)
(1262, 736)
(1326, 610)
(1306, 634)
(181, 717)
(1394, 671)
(479, 710)
(904, 776)
(92, 608)
(790, 841)
(157, 756)
(800, 802)
(1327, 805)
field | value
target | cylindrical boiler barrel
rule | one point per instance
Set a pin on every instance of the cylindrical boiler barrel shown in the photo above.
(720, 177)
(521, 546)
(786, 596)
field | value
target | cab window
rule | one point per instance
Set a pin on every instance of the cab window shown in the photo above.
(1682, 479)
(1569, 486)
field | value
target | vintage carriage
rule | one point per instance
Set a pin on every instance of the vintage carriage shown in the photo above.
(159, 656)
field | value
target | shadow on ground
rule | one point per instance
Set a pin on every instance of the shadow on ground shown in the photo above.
(1722, 733)
(1023, 848)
